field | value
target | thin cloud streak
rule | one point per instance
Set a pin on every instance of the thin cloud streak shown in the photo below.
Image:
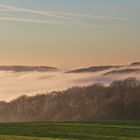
(29, 20)
(45, 13)
(23, 20)
(91, 16)
(60, 15)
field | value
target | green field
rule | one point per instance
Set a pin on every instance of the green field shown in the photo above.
(99, 130)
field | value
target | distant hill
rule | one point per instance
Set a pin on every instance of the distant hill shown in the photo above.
(16, 68)
(27, 68)
(123, 71)
(135, 64)
(127, 69)
(118, 101)
(93, 69)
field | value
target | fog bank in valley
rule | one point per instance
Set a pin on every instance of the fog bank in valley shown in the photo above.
(16, 83)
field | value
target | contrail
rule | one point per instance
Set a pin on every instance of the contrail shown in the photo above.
(23, 19)
(45, 13)
(61, 15)
(55, 22)
(91, 16)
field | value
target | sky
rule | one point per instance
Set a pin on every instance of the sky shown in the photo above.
(69, 33)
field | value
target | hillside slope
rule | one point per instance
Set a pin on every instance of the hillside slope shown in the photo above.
(118, 101)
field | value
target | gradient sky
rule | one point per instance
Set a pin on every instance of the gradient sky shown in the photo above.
(69, 33)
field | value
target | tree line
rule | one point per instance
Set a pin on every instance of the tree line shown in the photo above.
(119, 101)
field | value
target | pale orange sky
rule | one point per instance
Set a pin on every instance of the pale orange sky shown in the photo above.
(69, 33)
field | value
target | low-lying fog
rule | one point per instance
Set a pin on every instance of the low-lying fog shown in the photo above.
(14, 84)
